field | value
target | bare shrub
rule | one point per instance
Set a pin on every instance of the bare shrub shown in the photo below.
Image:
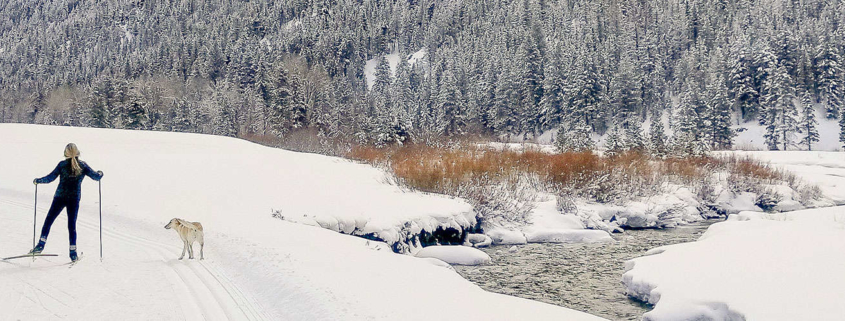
(503, 185)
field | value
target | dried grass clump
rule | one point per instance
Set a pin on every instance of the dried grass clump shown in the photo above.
(504, 181)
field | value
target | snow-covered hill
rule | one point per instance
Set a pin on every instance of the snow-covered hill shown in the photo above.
(256, 267)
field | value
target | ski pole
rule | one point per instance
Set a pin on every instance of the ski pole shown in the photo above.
(35, 216)
(101, 219)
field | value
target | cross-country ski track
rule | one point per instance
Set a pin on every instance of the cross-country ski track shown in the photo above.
(200, 290)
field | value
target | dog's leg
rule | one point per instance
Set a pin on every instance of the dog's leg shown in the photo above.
(202, 247)
(184, 248)
(191, 250)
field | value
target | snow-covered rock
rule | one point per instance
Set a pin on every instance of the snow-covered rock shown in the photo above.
(455, 254)
(478, 240)
(501, 236)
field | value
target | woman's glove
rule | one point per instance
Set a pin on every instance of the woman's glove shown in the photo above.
(35, 181)
(100, 173)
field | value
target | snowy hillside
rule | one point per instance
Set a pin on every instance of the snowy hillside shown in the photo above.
(256, 267)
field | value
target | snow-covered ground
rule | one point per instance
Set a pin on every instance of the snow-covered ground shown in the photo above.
(750, 135)
(256, 267)
(755, 266)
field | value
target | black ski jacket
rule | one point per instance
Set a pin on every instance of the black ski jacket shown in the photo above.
(70, 187)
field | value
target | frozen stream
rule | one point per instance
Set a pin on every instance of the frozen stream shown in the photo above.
(585, 277)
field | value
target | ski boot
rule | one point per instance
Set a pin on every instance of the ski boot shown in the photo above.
(73, 256)
(38, 248)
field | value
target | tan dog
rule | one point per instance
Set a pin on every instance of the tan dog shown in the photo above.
(190, 232)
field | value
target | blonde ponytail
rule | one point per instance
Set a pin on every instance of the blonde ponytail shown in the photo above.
(72, 153)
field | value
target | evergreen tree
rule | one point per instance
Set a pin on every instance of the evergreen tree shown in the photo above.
(657, 138)
(613, 144)
(554, 92)
(101, 105)
(781, 115)
(765, 63)
(719, 130)
(807, 126)
(450, 105)
(136, 112)
(634, 138)
(830, 75)
(742, 90)
(574, 137)
(37, 104)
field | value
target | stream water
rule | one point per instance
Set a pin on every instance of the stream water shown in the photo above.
(584, 277)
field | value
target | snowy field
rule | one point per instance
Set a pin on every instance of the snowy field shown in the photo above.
(755, 266)
(257, 266)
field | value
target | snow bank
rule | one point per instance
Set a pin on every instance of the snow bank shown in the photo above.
(257, 266)
(455, 254)
(785, 266)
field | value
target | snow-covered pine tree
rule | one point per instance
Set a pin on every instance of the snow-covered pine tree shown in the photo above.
(780, 112)
(530, 86)
(688, 138)
(686, 119)
(554, 92)
(402, 98)
(830, 76)
(720, 134)
(657, 138)
(741, 83)
(506, 103)
(37, 104)
(634, 140)
(136, 111)
(450, 104)
(586, 89)
(101, 104)
(807, 126)
(574, 137)
(765, 63)
(613, 144)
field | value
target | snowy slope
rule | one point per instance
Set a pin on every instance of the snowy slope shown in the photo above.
(256, 267)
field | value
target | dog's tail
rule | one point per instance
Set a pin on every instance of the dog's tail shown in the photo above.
(198, 225)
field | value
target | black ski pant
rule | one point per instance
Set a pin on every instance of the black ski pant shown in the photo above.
(58, 205)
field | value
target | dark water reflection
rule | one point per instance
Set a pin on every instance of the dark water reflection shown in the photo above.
(584, 277)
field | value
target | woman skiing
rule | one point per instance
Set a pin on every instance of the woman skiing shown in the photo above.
(70, 171)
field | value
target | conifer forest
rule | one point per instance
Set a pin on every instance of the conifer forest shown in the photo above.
(649, 72)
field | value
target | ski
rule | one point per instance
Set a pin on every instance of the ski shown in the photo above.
(79, 258)
(28, 255)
